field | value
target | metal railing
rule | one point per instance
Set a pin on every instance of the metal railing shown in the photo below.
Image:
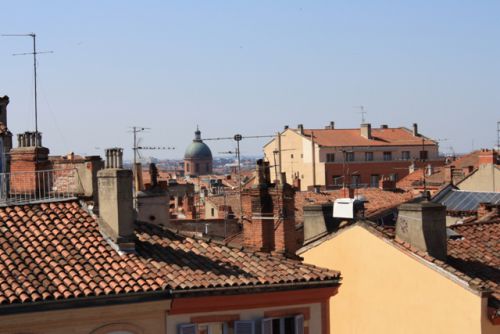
(28, 187)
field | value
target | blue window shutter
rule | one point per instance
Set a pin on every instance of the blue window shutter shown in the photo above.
(187, 329)
(244, 327)
(267, 326)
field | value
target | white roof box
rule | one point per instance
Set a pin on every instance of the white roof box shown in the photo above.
(343, 208)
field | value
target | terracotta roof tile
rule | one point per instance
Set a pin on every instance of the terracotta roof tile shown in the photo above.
(50, 258)
(352, 137)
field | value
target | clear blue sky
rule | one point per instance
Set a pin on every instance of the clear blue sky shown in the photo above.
(251, 67)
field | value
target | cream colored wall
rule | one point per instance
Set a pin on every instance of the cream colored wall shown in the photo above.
(250, 314)
(385, 290)
(300, 147)
(486, 178)
(149, 317)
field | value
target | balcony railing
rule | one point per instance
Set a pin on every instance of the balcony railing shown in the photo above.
(20, 188)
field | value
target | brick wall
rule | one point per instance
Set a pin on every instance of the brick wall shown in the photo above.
(269, 219)
(25, 162)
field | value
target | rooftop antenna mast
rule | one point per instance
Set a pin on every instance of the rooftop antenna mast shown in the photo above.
(34, 53)
(237, 138)
(362, 112)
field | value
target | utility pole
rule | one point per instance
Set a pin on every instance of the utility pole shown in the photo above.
(34, 53)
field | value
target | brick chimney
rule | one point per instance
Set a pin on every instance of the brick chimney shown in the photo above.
(269, 222)
(484, 209)
(26, 160)
(423, 226)
(386, 183)
(366, 130)
(115, 201)
(300, 127)
(415, 130)
(448, 173)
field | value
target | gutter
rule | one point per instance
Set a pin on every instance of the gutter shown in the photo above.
(139, 297)
(253, 288)
(82, 302)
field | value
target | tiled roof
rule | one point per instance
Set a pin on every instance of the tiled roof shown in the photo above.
(380, 137)
(56, 252)
(378, 200)
(477, 253)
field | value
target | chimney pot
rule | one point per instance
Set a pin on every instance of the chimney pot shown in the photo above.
(286, 127)
(301, 128)
(116, 201)
(384, 126)
(415, 130)
(366, 130)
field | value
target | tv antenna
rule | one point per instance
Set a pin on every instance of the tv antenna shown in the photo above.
(138, 147)
(34, 53)
(237, 138)
(362, 112)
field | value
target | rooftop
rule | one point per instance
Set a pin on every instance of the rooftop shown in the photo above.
(55, 252)
(473, 253)
(380, 137)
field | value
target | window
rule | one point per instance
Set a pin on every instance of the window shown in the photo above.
(337, 180)
(423, 155)
(240, 327)
(207, 167)
(387, 156)
(330, 157)
(355, 180)
(368, 156)
(349, 156)
(291, 156)
(197, 168)
(405, 155)
(374, 178)
(212, 211)
(285, 325)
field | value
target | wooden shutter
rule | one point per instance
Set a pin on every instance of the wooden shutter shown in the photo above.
(244, 327)
(187, 329)
(299, 324)
(267, 326)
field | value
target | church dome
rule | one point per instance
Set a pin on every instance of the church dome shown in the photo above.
(198, 149)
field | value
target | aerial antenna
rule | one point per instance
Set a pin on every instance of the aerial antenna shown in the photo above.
(362, 112)
(237, 138)
(34, 53)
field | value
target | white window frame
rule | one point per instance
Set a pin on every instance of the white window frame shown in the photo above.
(298, 320)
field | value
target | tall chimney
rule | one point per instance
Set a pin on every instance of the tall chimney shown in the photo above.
(301, 128)
(331, 126)
(116, 201)
(29, 157)
(415, 130)
(423, 226)
(4, 101)
(366, 130)
(269, 223)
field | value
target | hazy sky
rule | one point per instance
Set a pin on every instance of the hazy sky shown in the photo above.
(251, 67)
